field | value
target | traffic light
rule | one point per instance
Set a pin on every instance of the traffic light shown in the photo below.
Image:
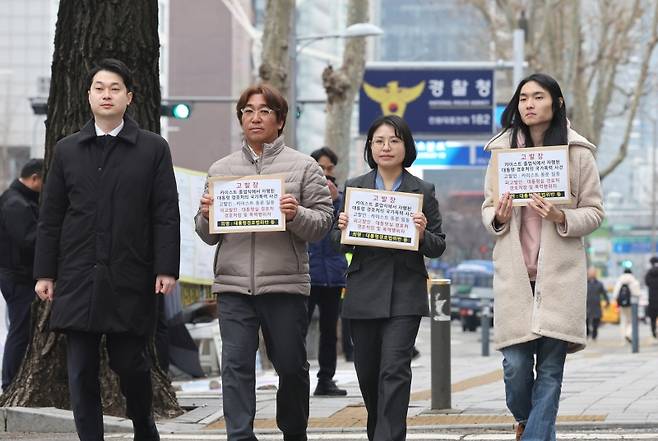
(627, 264)
(176, 110)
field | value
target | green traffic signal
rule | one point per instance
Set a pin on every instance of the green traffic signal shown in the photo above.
(176, 110)
(181, 111)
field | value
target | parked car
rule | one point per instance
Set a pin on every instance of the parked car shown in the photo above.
(471, 289)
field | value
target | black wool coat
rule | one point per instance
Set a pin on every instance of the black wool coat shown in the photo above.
(385, 282)
(19, 210)
(109, 223)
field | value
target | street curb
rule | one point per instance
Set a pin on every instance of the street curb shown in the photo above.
(52, 420)
(580, 426)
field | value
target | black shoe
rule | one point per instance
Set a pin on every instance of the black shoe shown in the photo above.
(329, 388)
(301, 437)
(146, 431)
(349, 357)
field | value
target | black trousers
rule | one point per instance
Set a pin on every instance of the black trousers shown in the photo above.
(593, 326)
(283, 321)
(346, 329)
(652, 313)
(382, 358)
(327, 299)
(128, 358)
(19, 298)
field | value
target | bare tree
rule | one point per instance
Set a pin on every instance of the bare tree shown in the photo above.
(342, 85)
(277, 29)
(89, 30)
(586, 50)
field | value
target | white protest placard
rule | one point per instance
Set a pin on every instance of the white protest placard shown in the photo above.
(380, 218)
(196, 256)
(246, 204)
(523, 171)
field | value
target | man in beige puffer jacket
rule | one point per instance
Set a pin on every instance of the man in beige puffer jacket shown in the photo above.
(262, 279)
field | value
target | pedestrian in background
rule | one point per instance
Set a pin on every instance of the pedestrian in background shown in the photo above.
(108, 242)
(262, 279)
(626, 287)
(19, 213)
(328, 267)
(540, 280)
(595, 294)
(387, 288)
(651, 280)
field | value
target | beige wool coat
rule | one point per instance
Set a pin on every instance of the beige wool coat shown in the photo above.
(558, 307)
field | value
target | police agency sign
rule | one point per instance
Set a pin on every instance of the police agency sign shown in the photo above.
(432, 101)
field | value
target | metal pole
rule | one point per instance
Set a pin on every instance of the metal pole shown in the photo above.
(440, 343)
(485, 321)
(653, 171)
(291, 123)
(519, 55)
(635, 331)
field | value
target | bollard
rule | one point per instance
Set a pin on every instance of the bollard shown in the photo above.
(440, 343)
(485, 322)
(635, 330)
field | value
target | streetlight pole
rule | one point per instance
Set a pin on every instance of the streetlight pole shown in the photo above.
(654, 120)
(291, 123)
(518, 47)
(353, 31)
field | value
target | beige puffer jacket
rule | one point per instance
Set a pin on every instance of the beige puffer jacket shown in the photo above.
(271, 262)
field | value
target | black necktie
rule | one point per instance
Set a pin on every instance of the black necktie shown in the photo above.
(104, 140)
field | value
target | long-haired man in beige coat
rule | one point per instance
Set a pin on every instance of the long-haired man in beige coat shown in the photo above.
(539, 259)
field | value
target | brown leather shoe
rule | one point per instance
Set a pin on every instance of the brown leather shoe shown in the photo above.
(519, 431)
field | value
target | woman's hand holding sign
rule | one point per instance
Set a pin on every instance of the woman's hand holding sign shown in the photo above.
(546, 209)
(504, 209)
(342, 220)
(421, 223)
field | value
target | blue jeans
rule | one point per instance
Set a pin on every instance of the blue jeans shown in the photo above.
(534, 400)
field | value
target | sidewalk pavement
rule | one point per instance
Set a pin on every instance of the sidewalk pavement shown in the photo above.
(605, 385)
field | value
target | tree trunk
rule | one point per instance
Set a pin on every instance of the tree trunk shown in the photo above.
(274, 66)
(87, 31)
(341, 86)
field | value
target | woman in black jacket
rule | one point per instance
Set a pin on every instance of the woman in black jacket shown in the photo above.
(387, 288)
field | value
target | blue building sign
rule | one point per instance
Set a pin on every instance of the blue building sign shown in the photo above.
(432, 101)
(450, 154)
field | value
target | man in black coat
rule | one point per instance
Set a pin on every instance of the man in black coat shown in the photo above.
(651, 280)
(595, 293)
(108, 241)
(19, 211)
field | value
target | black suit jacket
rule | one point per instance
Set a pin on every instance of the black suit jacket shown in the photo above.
(383, 282)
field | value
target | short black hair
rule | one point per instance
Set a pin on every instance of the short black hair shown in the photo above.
(325, 151)
(628, 271)
(115, 66)
(654, 260)
(33, 167)
(402, 131)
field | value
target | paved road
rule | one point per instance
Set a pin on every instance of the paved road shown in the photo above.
(433, 435)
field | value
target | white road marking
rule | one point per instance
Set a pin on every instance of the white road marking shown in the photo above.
(601, 436)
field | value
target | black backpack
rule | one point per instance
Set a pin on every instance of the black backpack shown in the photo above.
(624, 296)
